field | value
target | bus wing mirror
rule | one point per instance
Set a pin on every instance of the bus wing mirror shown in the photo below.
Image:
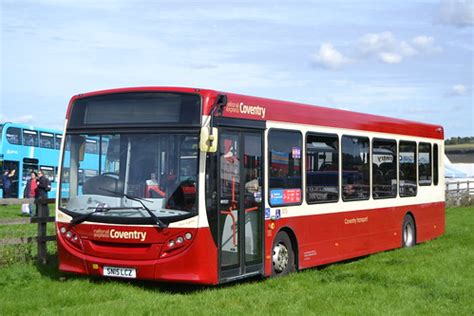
(208, 140)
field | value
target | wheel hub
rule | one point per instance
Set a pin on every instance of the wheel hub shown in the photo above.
(280, 257)
(408, 235)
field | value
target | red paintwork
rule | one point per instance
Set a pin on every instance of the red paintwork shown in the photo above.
(186, 265)
(333, 240)
(296, 113)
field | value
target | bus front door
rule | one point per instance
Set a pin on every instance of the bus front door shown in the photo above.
(240, 218)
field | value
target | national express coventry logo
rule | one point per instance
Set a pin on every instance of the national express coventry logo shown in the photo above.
(119, 234)
(242, 108)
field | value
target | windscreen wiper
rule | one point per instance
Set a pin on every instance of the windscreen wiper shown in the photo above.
(140, 200)
(100, 208)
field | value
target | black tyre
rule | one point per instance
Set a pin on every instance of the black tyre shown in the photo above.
(283, 257)
(408, 232)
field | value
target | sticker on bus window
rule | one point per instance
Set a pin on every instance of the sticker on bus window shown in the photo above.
(276, 197)
(267, 213)
(285, 196)
(291, 196)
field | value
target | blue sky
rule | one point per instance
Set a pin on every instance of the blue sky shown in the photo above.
(406, 59)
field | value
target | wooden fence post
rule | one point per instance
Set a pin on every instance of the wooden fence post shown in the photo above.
(43, 214)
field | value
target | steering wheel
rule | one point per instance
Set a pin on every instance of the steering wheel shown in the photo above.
(111, 175)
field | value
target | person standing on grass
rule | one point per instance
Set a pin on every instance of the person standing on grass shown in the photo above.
(7, 182)
(44, 186)
(30, 190)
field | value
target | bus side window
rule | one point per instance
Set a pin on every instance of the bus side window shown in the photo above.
(46, 140)
(384, 168)
(285, 183)
(48, 171)
(30, 138)
(435, 164)
(57, 141)
(424, 164)
(14, 135)
(407, 168)
(355, 168)
(322, 168)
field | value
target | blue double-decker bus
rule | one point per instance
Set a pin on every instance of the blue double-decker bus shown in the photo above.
(25, 148)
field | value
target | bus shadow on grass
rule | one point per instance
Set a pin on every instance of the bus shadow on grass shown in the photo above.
(51, 271)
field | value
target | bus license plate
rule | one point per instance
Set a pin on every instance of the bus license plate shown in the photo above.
(120, 272)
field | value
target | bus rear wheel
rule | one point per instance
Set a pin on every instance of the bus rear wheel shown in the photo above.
(408, 232)
(283, 257)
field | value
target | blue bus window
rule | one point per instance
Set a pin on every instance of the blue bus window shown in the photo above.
(14, 135)
(91, 146)
(57, 142)
(30, 138)
(48, 172)
(46, 140)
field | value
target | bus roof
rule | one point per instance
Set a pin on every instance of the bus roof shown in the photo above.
(29, 127)
(256, 108)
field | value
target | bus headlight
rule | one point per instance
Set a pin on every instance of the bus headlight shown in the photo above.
(70, 236)
(176, 244)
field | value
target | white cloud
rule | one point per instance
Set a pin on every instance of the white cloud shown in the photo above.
(329, 57)
(425, 44)
(387, 48)
(23, 119)
(390, 58)
(457, 12)
(457, 90)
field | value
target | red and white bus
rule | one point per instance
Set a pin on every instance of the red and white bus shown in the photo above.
(201, 186)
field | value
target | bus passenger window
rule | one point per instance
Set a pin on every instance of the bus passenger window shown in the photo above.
(322, 168)
(92, 146)
(14, 135)
(285, 150)
(355, 168)
(424, 164)
(30, 138)
(384, 168)
(407, 168)
(48, 172)
(46, 140)
(57, 142)
(435, 164)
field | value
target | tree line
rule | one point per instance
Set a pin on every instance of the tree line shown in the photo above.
(459, 140)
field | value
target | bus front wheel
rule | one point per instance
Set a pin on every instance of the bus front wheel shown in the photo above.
(283, 257)
(408, 232)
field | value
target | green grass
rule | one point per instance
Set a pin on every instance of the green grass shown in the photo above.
(10, 211)
(436, 277)
(21, 230)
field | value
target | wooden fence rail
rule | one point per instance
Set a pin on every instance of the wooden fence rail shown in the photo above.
(459, 193)
(42, 219)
